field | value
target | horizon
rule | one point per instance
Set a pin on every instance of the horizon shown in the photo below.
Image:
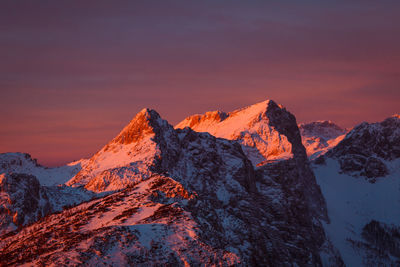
(63, 163)
(74, 74)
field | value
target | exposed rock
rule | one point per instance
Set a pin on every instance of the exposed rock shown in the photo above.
(22, 200)
(365, 149)
(286, 124)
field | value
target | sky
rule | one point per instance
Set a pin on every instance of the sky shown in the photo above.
(73, 73)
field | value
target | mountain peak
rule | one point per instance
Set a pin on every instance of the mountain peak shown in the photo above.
(143, 124)
(145, 143)
(148, 112)
(250, 126)
(252, 113)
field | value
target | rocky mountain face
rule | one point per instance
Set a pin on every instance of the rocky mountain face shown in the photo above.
(260, 121)
(250, 126)
(30, 191)
(320, 136)
(22, 201)
(360, 181)
(365, 149)
(177, 196)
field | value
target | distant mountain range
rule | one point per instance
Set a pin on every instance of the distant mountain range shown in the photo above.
(251, 187)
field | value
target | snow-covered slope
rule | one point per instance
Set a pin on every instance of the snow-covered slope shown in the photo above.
(23, 163)
(352, 204)
(360, 180)
(250, 126)
(320, 136)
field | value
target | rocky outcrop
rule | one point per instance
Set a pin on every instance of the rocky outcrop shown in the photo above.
(22, 200)
(285, 123)
(365, 149)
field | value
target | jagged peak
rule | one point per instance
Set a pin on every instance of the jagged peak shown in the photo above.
(250, 125)
(252, 113)
(146, 122)
(257, 108)
(148, 112)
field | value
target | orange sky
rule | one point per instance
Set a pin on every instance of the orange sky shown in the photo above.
(73, 74)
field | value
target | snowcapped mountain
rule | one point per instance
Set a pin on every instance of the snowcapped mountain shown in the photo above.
(221, 189)
(178, 197)
(360, 180)
(146, 144)
(250, 126)
(320, 136)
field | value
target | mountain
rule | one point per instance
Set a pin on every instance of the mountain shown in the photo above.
(365, 149)
(250, 126)
(320, 136)
(360, 181)
(23, 163)
(29, 191)
(227, 189)
(145, 145)
(268, 133)
(177, 196)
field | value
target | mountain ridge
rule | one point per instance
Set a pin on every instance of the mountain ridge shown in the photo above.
(156, 194)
